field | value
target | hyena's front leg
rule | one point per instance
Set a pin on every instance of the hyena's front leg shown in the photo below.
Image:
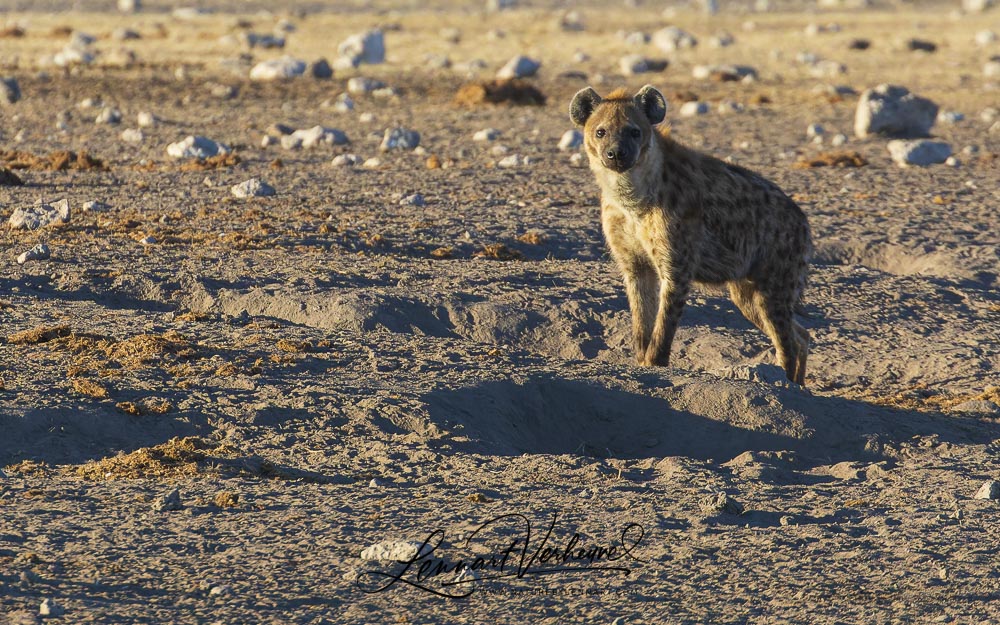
(673, 296)
(641, 289)
(674, 257)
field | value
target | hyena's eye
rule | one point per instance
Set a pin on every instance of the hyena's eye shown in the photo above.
(600, 133)
(635, 133)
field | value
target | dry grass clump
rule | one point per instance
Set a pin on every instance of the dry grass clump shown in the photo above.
(145, 349)
(226, 499)
(532, 237)
(176, 458)
(499, 91)
(59, 160)
(294, 347)
(40, 334)
(832, 159)
(442, 252)
(28, 468)
(922, 398)
(89, 388)
(498, 251)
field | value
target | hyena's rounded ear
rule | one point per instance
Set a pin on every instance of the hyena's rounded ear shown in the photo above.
(583, 104)
(651, 102)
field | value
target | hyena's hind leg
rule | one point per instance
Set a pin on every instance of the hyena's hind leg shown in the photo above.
(772, 314)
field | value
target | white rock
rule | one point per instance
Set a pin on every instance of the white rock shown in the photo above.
(399, 139)
(264, 41)
(635, 38)
(40, 215)
(311, 137)
(278, 69)
(989, 490)
(149, 240)
(721, 40)
(196, 147)
(393, 550)
(346, 160)
(631, 64)
(738, 72)
(728, 106)
(145, 119)
(571, 140)
(254, 187)
(986, 37)
(360, 85)
(38, 252)
(519, 67)
(509, 161)
(919, 152)
(344, 103)
(976, 6)
(93, 206)
(991, 69)
(690, 109)
(673, 38)
(372, 163)
(108, 115)
(70, 56)
(367, 47)
(894, 111)
(125, 34)
(188, 13)
(576, 159)
(132, 135)
(50, 608)
(838, 140)
(950, 117)
(951, 161)
(825, 68)
(10, 92)
(486, 134)
(500, 5)
(129, 6)
(989, 114)
(168, 502)
(815, 130)
(413, 200)
(367, 117)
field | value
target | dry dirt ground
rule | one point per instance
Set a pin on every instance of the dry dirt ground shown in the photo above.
(314, 378)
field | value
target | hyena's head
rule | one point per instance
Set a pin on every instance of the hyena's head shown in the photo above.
(617, 130)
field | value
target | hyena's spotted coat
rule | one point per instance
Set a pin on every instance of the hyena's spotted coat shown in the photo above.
(672, 215)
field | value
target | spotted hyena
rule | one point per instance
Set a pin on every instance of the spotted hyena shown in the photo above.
(672, 215)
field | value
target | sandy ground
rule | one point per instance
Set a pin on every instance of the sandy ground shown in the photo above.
(313, 378)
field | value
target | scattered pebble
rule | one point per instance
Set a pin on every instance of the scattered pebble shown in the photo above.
(413, 200)
(49, 607)
(10, 92)
(196, 147)
(920, 45)
(145, 119)
(392, 550)
(320, 69)
(372, 163)
(38, 252)
(399, 139)
(672, 38)
(728, 106)
(217, 591)
(576, 159)
(311, 137)
(509, 161)
(815, 130)
(148, 240)
(360, 85)
(253, 187)
(519, 67)
(367, 47)
(724, 73)
(132, 135)
(838, 140)
(992, 68)
(170, 501)
(989, 490)
(108, 115)
(893, 110)
(631, 64)
(951, 161)
(571, 140)
(278, 69)
(721, 40)
(486, 134)
(40, 215)
(919, 152)
(346, 160)
(986, 37)
(691, 109)
(93, 206)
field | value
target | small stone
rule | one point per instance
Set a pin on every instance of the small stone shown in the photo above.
(196, 147)
(978, 406)
(108, 115)
(728, 106)
(815, 130)
(93, 206)
(920, 45)
(264, 41)
(278, 69)
(724, 73)
(920, 152)
(986, 37)
(720, 503)
(838, 140)
(634, 39)
(145, 119)
(10, 92)
(344, 103)
(346, 160)
(311, 137)
(360, 85)
(253, 187)
(148, 240)
(691, 109)
(218, 591)
(631, 64)
(49, 607)
(170, 501)
(976, 6)
(125, 34)
(129, 6)
(486, 134)
(519, 67)
(989, 490)
(510, 161)
(571, 140)
(671, 38)
(413, 200)
(39, 252)
(320, 69)
(576, 159)
(992, 68)
(372, 163)
(950, 117)
(40, 215)
(721, 40)
(951, 161)
(451, 34)
(374, 483)
(392, 550)
(367, 47)
(132, 135)
(399, 139)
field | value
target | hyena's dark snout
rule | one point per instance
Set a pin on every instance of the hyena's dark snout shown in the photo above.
(619, 157)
